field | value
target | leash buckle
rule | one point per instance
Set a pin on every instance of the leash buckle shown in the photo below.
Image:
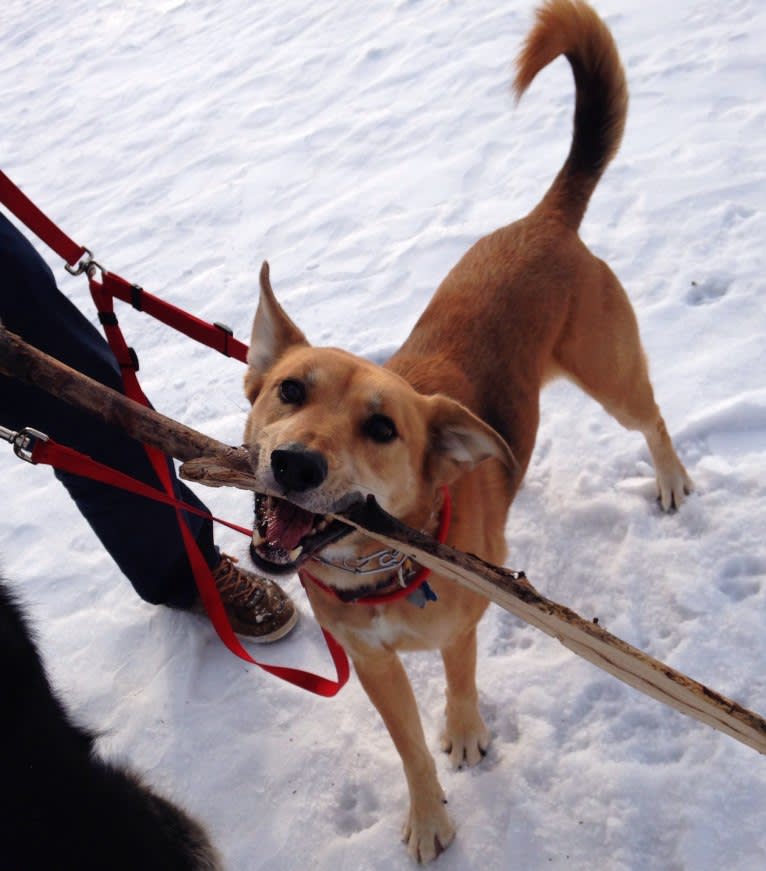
(86, 264)
(23, 441)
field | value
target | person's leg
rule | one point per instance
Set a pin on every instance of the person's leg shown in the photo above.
(142, 536)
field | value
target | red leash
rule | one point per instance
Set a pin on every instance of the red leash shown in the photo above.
(27, 212)
(216, 336)
(69, 460)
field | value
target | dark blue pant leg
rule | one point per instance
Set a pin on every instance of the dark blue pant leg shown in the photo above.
(142, 536)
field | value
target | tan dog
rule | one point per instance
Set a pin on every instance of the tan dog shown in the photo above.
(458, 405)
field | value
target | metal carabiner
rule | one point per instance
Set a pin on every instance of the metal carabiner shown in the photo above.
(23, 440)
(86, 264)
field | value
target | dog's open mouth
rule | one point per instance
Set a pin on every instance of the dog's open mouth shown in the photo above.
(285, 534)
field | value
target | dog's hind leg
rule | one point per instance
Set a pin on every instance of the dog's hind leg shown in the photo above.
(466, 737)
(602, 352)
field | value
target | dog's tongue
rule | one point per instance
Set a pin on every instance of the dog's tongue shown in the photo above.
(287, 524)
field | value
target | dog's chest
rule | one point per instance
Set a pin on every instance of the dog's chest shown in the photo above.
(384, 630)
(395, 626)
(391, 628)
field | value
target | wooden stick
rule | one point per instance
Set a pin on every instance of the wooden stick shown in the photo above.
(213, 463)
(515, 594)
(21, 360)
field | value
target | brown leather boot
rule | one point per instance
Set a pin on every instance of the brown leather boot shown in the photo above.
(257, 607)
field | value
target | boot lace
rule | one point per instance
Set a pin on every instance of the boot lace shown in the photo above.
(235, 585)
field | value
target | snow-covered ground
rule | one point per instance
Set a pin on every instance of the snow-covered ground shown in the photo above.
(361, 147)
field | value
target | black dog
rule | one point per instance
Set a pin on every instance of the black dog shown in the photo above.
(60, 805)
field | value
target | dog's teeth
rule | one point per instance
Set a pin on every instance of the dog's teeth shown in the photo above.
(295, 553)
(258, 539)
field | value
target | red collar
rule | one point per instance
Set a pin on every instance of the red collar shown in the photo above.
(391, 589)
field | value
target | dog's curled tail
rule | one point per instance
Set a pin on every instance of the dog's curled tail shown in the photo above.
(572, 28)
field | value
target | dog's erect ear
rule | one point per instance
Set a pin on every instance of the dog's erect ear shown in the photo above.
(460, 441)
(273, 333)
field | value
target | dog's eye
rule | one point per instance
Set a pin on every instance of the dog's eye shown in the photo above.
(292, 392)
(380, 428)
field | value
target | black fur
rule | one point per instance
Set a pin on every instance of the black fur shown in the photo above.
(61, 806)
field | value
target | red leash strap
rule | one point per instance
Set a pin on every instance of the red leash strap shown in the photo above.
(213, 335)
(68, 460)
(42, 226)
(216, 336)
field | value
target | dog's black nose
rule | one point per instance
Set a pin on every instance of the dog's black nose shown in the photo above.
(298, 469)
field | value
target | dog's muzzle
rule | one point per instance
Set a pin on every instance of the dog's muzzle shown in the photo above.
(284, 534)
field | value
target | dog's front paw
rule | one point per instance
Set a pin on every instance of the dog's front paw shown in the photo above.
(673, 481)
(673, 485)
(466, 739)
(428, 833)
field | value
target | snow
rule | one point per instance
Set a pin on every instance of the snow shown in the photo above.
(361, 147)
